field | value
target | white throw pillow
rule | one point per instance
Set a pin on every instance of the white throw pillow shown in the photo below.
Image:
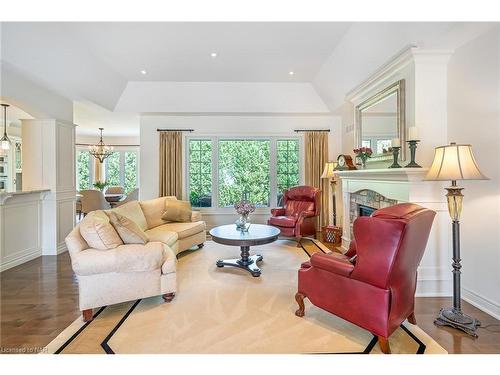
(96, 229)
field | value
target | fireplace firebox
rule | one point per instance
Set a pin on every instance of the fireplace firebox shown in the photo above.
(365, 210)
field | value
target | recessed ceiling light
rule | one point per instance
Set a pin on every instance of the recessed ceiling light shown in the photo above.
(143, 72)
(291, 72)
(213, 55)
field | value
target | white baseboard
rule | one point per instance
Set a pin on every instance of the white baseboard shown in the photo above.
(434, 288)
(61, 248)
(21, 259)
(482, 303)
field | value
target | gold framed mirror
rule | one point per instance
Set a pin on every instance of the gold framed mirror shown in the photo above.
(380, 119)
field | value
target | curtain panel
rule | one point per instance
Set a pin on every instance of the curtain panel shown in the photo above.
(98, 171)
(170, 164)
(316, 155)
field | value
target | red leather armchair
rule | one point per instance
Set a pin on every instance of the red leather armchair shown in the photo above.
(297, 218)
(376, 291)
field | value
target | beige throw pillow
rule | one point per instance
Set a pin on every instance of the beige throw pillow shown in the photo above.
(129, 232)
(179, 211)
(96, 229)
(153, 210)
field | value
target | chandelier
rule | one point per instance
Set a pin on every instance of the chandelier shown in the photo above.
(5, 141)
(100, 151)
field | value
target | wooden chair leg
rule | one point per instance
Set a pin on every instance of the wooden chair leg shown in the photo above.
(412, 319)
(299, 297)
(87, 315)
(168, 297)
(298, 241)
(384, 345)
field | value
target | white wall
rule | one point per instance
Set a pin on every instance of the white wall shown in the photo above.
(223, 125)
(110, 141)
(31, 97)
(368, 45)
(474, 118)
(227, 97)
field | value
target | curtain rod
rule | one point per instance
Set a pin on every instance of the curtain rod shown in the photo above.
(175, 130)
(89, 144)
(311, 130)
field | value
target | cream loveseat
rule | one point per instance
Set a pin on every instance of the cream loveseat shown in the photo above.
(133, 271)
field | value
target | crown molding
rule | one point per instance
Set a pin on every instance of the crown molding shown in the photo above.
(402, 59)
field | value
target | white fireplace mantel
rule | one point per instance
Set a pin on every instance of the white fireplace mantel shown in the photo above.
(407, 185)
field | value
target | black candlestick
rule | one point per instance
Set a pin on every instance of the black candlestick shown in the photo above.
(395, 155)
(413, 149)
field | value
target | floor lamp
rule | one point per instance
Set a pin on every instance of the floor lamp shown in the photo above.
(455, 162)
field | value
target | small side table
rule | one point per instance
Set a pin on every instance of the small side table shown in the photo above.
(332, 235)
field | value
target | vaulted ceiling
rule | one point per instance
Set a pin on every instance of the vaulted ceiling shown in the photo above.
(169, 66)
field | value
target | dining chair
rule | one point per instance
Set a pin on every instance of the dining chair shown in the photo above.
(132, 196)
(93, 200)
(78, 205)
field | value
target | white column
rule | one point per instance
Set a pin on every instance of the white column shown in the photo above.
(49, 163)
(431, 102)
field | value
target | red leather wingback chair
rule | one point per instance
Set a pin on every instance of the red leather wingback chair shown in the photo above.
(377, 292)
(297, 218)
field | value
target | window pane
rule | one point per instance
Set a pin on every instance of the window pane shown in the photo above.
(130, 171)
(383, 144)
(244, 169)
(113, 169)
(82, 170)
(287, 171)
(200, 173)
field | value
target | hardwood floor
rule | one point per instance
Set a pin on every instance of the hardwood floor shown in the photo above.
(40, 298)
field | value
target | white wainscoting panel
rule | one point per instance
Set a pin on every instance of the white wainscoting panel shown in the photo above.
(20, 228)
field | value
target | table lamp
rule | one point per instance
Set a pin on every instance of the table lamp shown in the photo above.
(328, 173)
(455, 162)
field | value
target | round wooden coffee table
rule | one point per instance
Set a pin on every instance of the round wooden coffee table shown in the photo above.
(257, 234)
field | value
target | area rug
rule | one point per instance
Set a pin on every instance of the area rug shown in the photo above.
(226, 310)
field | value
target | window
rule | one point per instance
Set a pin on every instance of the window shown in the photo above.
(121, 169)
(112, 163)
(200, 173)
(287, 173)
(366, 143)
(244, 172)
(221, 171)
(83, 170)
(383, 144)
(131, 170)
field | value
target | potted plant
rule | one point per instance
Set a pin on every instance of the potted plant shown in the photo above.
(99, 185)
(363, 153)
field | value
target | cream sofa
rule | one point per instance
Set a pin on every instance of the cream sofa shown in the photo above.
(130, 272)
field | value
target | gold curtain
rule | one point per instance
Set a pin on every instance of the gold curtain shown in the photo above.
(171, 164)
(316, 155)
(98, 171)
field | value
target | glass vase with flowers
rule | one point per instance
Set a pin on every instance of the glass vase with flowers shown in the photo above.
(363, 153)
(244, 209)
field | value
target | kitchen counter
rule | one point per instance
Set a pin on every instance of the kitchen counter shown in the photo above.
(5, 196)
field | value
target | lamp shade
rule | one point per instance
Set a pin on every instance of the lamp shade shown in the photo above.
(454, 162)
(329, 168)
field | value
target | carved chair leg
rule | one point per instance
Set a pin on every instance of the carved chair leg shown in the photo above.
(298, 241)
(200, 245)
(412, 319)
(168, 297)
(299, 297)
(384, 345)
(87, 315)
